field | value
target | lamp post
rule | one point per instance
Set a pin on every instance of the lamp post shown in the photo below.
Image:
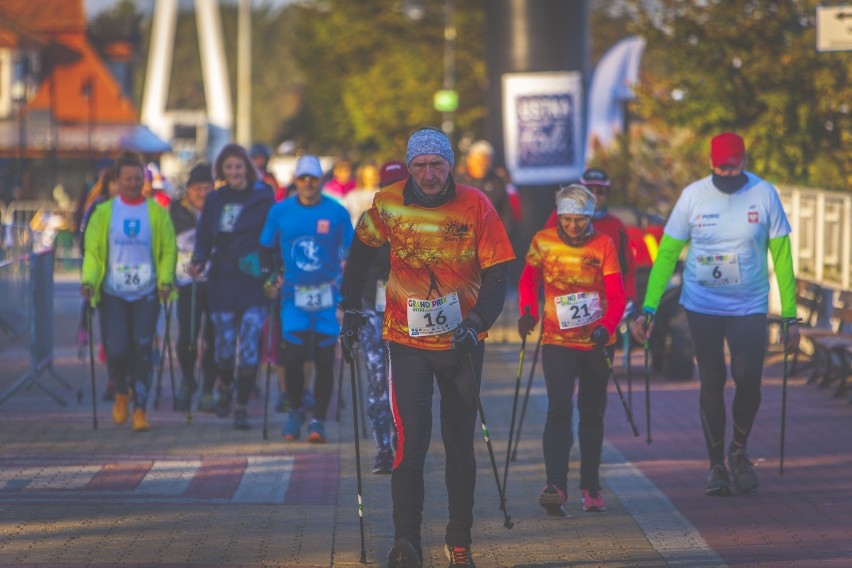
(87, 91)
(19, 96)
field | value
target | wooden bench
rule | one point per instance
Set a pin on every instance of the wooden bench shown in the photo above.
(809, 299)
(832, 350)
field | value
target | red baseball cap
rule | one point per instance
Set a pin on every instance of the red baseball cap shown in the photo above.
(392, 172)
(727, 149)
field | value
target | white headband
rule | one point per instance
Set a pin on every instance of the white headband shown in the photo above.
(568, 206)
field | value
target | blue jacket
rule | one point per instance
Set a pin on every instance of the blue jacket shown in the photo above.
(228, 288)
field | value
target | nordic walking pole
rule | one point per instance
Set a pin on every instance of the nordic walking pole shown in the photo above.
(620, 394)
(507, 520)
(783, 403)
(515, 403)
(269, 329)
(168, 342)
(625, 347)
(92, 368)
(648, 320)
(339, 390)
(81, 349)
(162, 367)
(193, 349)
(527, 394)
(352, 364)
(364, 433)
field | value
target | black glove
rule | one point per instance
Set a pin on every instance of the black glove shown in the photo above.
(526, 323)
(600, 336)
(349, 332)
(466, 336)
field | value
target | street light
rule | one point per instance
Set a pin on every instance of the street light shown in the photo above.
(19, 96)
(446, 100)
(87, 91)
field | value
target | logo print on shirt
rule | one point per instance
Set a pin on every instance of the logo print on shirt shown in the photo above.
(323, 226)
(132, 227)
(306, 254)
(455, 231)
(752, 217)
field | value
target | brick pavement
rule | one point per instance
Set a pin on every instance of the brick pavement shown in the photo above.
(203, 494)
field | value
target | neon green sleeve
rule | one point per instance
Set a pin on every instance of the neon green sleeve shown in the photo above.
(782, 259)
(662, 271)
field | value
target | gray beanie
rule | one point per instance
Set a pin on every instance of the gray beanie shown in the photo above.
(429, 141)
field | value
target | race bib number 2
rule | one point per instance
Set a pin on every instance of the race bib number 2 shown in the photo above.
(717, 270)
(575, 310)
(433, 317)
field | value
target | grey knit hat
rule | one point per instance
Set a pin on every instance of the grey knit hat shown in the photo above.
(429, 141)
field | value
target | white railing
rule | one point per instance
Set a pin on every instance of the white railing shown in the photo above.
(822, 235)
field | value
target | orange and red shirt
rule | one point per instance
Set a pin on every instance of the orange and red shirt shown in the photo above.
(575, 287)
(437, 255)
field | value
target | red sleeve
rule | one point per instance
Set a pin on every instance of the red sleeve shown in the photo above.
(551, 221)
(528, 288)
(630, 269)
(615, 301)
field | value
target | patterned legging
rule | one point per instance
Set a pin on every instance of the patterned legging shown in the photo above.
(375, 351)
(238, 333)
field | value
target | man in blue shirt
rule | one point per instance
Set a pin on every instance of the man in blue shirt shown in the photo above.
(313, 233)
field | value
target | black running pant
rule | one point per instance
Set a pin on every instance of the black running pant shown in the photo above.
(321, 348)
(746, 337)
(562, 366)
(185, 352)
(413, 372)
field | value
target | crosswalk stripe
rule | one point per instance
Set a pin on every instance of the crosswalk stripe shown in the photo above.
(265, 480)
(168, 477)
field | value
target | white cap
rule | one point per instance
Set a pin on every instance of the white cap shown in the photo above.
(308, 165)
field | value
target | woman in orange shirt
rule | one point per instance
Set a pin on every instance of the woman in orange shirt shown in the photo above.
(584, 301)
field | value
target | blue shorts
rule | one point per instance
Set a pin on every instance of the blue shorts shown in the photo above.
(295, 319)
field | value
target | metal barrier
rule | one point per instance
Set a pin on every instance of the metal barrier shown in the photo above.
(26, 307)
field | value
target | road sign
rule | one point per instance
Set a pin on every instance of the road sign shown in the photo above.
(834, 28)
(446, 100)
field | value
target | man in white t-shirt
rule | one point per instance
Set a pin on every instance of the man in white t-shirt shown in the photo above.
(730, 220)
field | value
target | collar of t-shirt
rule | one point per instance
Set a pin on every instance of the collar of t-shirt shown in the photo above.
(140, 199)
(411, 193)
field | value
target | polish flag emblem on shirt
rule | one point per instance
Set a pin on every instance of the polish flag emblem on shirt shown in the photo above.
(752, 217)
(323, 225)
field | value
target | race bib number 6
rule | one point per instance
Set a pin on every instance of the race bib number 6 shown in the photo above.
(432, 317)
(717, 270)
(575, 310)
(313, 298)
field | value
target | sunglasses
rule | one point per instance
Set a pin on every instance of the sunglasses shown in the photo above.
(306, 178)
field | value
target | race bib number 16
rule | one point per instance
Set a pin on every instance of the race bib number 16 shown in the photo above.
(431, 317)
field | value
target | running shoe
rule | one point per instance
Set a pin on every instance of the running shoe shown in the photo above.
(593, 501)
(404, 555)
(207, 403)
(384, 462)
(745, 480)
(140, 421)
(283, 404)
(718, 482)
(293, 426)
(120, 408)
(316, 432)
(458, 556)
(223, 405)
(109, 393)
(241, 420)
(308, 401)
(182, 398)
(553, 500)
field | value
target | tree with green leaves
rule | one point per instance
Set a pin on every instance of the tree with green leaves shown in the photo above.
(752, 67)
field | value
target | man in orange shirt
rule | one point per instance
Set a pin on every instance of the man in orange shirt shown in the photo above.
(449, 265)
